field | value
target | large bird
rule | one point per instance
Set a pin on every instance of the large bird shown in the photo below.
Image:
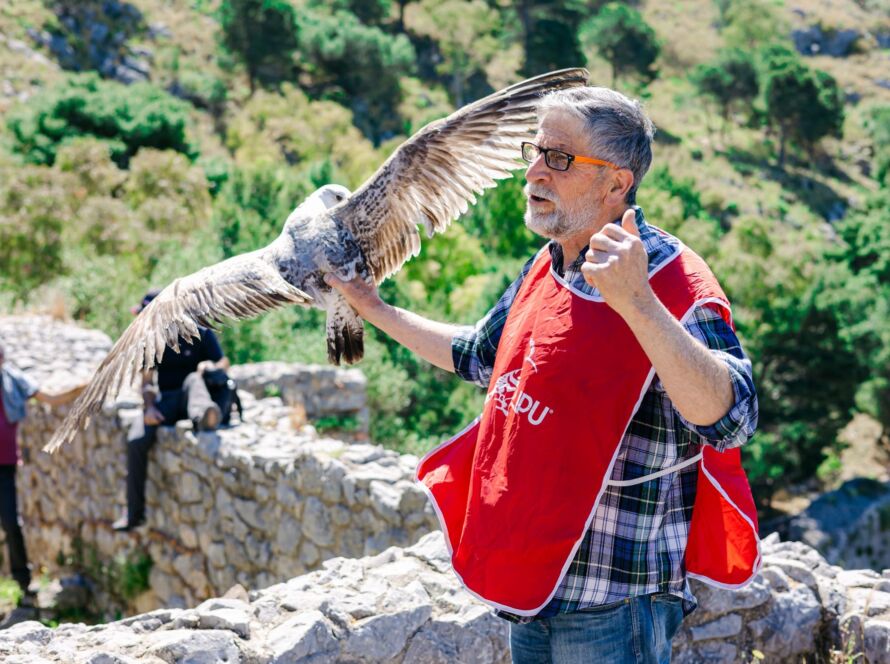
(430, 180)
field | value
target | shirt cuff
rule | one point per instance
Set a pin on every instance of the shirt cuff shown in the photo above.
(464, 356)
(737, 426)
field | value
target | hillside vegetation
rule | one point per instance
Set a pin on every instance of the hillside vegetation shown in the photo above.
(142, 140)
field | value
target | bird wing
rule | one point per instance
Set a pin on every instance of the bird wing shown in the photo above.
(240, 287)
(433, 176)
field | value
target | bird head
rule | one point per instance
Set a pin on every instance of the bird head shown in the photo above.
(317, 202)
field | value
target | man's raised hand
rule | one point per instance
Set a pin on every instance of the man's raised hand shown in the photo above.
(617, 265)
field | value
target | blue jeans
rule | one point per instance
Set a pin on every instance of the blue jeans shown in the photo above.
(637, 630)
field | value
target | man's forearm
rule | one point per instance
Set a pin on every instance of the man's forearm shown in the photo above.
(698, 384)
(430, 339)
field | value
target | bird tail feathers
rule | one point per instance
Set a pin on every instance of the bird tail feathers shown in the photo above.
(345, 333)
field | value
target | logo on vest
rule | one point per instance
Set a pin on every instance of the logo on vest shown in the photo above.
(508, 396)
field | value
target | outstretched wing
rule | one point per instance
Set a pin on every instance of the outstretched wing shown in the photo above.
(433, 177)
(240, 287)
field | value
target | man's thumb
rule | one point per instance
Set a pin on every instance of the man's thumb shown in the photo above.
(629, 222)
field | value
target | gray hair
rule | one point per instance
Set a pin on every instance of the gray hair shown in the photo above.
(618, 128)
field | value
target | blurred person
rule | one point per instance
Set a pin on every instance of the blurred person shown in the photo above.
(174, 390)
(17, 389)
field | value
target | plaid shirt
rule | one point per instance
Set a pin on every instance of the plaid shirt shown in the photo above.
(637, 538)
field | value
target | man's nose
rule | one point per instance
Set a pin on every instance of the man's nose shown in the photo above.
(538, 171)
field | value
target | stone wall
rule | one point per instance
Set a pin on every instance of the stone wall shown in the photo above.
(406, 606)
(255, 504)
(849, 526)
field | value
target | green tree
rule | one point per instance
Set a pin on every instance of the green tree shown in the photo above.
(357, 65)
(263, 34)
(860, 297)
(126, 118)
(805, 368)
(548, 33)
(749, 24)
(466, 35)
(620, 36)
(730, 82)
(803, 105)
(877, 124)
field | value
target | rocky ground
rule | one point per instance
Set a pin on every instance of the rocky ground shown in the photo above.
(405, 605)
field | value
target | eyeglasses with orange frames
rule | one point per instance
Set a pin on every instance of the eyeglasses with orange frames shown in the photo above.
(559, 160)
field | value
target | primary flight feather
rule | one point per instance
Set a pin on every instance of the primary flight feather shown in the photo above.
(429, 180)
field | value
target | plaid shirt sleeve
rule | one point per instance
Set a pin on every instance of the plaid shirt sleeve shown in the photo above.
(738, 425)
(473, 348)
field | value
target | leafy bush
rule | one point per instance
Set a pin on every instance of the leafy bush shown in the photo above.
(357, 65)
(621, 37)
(803, 105)
(730, 82)
(263, 34)
(126, 118)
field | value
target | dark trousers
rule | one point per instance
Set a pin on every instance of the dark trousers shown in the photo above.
(9, 516)
(190, 402)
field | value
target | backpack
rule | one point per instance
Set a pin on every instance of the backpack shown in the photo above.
(224, 392)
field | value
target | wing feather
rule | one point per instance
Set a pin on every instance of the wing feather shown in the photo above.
(434, 176)
(240, 287)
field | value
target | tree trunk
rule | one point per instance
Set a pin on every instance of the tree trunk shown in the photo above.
(781, 146)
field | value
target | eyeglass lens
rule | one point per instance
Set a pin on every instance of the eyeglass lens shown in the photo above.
(553, 158)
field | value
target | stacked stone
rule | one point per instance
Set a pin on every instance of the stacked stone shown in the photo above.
(255, 504)
(849, 526)
(406, 605)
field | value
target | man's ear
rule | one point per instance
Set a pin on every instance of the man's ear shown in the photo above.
(622, 181)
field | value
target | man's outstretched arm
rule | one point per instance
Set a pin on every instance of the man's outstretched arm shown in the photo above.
(429, 339)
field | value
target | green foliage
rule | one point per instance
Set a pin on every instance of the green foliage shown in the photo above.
(749, 24)
(33, 210)
(466, 35)
(10, 593)
(371, 12)
(262, 34)
(549, 33)
(356, 65)
(730, 82)
(860, 296)
(620, 36)
(125, 576)
(253, 205)
(336, 423)
(126, 118)
(877, 123)
(288, 128)
(806, 372)
(803, 105)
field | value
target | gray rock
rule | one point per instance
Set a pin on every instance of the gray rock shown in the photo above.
(790, 628)
(717, 601)
(382, 637)
(317, 524)
(190, 647)
(877, 640)
(721, 628)
(303, 635)
(230, 614)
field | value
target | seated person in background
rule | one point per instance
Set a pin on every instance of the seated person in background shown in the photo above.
(180, 394)
(15, 390)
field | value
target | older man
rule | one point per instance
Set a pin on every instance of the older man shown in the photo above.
(16, 388)
(603, 470)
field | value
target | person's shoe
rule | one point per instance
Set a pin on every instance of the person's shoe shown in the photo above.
(123, 524)
(211, 419)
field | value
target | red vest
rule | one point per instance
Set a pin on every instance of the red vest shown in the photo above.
(516, 491)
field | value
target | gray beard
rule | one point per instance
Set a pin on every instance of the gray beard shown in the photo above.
(555, 225)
